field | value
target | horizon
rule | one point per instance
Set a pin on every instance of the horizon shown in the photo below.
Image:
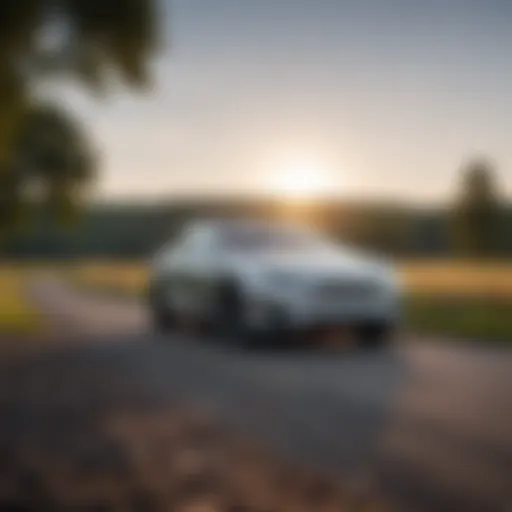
(377, 99)
(248, 199)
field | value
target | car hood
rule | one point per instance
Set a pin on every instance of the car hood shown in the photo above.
(322, 264)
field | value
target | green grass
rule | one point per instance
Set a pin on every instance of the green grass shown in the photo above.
(17, 316)
(461, 317)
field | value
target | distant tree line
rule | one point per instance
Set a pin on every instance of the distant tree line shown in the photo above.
(478, 224)
(133, 231)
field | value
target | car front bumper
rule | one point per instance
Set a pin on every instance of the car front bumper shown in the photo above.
(299, 315)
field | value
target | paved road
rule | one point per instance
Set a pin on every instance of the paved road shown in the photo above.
(428, 424)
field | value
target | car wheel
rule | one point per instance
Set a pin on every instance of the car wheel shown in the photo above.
(162, 318)
(374, 336)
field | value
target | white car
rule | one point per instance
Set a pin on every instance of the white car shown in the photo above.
(253, 279)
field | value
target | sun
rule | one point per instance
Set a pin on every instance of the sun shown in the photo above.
(300, 180)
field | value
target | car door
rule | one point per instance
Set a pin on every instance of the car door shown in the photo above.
(174, 270)
(188, 273)
(208, 270)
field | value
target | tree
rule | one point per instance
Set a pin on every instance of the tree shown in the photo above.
(477, 211)
(93, 42)
(54, 160)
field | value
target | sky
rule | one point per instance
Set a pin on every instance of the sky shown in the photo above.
(374, 98)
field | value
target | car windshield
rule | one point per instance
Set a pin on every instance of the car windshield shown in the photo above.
(272, 238)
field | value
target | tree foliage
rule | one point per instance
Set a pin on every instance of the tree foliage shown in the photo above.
(54, 161)
(87, 38)
(477, 215)
(92, 42)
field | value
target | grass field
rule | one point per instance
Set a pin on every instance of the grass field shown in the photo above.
(460, 299)
(17, 316)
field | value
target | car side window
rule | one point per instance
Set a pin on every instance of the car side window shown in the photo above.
(203, 243)
(192, 247)
(195, 244)
(184, 243)
(172, 250)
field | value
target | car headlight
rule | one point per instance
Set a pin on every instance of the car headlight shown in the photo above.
(392, 280)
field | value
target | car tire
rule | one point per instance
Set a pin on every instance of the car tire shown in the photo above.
(374, 336)
(162, 318)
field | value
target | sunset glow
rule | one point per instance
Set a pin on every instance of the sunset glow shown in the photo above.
(301, 179)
